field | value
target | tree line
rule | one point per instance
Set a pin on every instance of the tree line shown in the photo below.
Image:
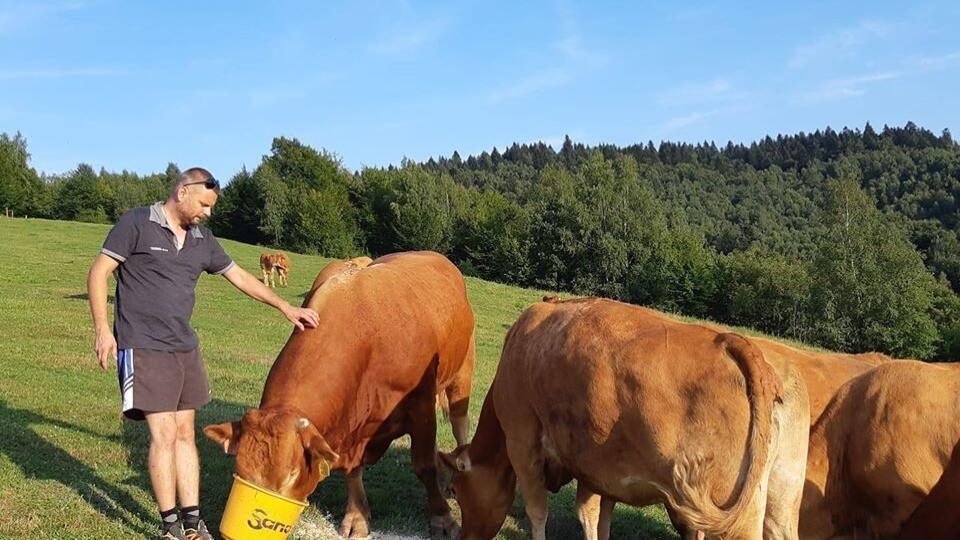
(848, 239)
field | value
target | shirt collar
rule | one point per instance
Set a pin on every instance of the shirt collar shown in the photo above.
(158, 216)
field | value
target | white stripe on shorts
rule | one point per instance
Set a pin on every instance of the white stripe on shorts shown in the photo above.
(125, 374)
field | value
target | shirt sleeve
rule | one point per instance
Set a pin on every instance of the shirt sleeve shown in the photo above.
(122, 238)
(220, 262)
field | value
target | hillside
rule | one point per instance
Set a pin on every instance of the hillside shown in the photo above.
(70, 469)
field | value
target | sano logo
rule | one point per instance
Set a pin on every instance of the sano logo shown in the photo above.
(259, 520)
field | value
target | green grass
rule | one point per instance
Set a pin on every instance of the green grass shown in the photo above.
(70, 468)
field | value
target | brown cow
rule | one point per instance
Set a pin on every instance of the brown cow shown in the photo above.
(938, 516)
(274, 262)
(822, 372)
(638, 408)
(392, 337)
(878, 449)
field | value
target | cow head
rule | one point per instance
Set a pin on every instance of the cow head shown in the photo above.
(277, 450)
(484, 491)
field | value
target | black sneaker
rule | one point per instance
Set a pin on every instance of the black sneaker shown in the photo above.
(200, 533)
(173, 533)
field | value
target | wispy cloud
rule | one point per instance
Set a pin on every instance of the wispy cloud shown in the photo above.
(571, 44)
(23, 74)
(686, 14)
(843, 42)
(858, 85)
(572, 47)
(17, 16)
(689, 119)
(271, 95)
(696, 102)
(267, 97)
(847, 87)
(940, 61)
(526, 87)
(410, 39)
(718, 90)
(573, 57)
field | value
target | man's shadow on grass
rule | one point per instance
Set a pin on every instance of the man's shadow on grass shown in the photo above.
(84, 297)
(39, 459)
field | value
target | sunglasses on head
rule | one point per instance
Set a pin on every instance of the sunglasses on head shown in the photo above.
(209, 183)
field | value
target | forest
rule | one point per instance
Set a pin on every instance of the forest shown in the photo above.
(843, 239)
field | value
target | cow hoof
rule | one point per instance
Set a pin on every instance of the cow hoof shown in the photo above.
(444, 528)
(354, 526)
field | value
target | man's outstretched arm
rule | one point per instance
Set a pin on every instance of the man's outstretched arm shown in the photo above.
(254, 288)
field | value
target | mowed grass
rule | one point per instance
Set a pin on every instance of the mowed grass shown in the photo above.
(70, 468)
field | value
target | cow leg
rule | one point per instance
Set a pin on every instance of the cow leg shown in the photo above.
(606, 516)
(422, 423)
(283, 277)
(458, 396)
(423, 450)
(786, 482)
(534, 499)
(588, 510)
(595, 513)
(526, 456)
(265, 278)
(356, 521)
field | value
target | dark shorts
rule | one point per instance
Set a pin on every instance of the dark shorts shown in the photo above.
(159, 381)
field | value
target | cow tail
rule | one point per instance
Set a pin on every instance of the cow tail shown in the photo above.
(690, 497)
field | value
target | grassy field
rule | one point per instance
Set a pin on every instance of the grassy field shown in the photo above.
(71, 469)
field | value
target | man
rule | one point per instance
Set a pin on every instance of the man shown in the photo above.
(156, 254)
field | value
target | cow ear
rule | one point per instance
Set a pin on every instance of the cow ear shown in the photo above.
(322, 456)
(449, 460)
(458, 460)
(227, 435)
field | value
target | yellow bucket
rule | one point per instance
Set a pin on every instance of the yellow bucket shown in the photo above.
(254, 513)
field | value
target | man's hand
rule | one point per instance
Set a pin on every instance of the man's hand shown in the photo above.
(105, 347)
(254, 288)
(300, 317)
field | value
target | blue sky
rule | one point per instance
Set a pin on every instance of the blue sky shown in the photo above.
(133, 85)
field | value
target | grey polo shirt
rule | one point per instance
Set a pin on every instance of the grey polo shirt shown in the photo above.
(156, 282)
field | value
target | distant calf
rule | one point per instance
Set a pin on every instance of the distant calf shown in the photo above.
(270, 262)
